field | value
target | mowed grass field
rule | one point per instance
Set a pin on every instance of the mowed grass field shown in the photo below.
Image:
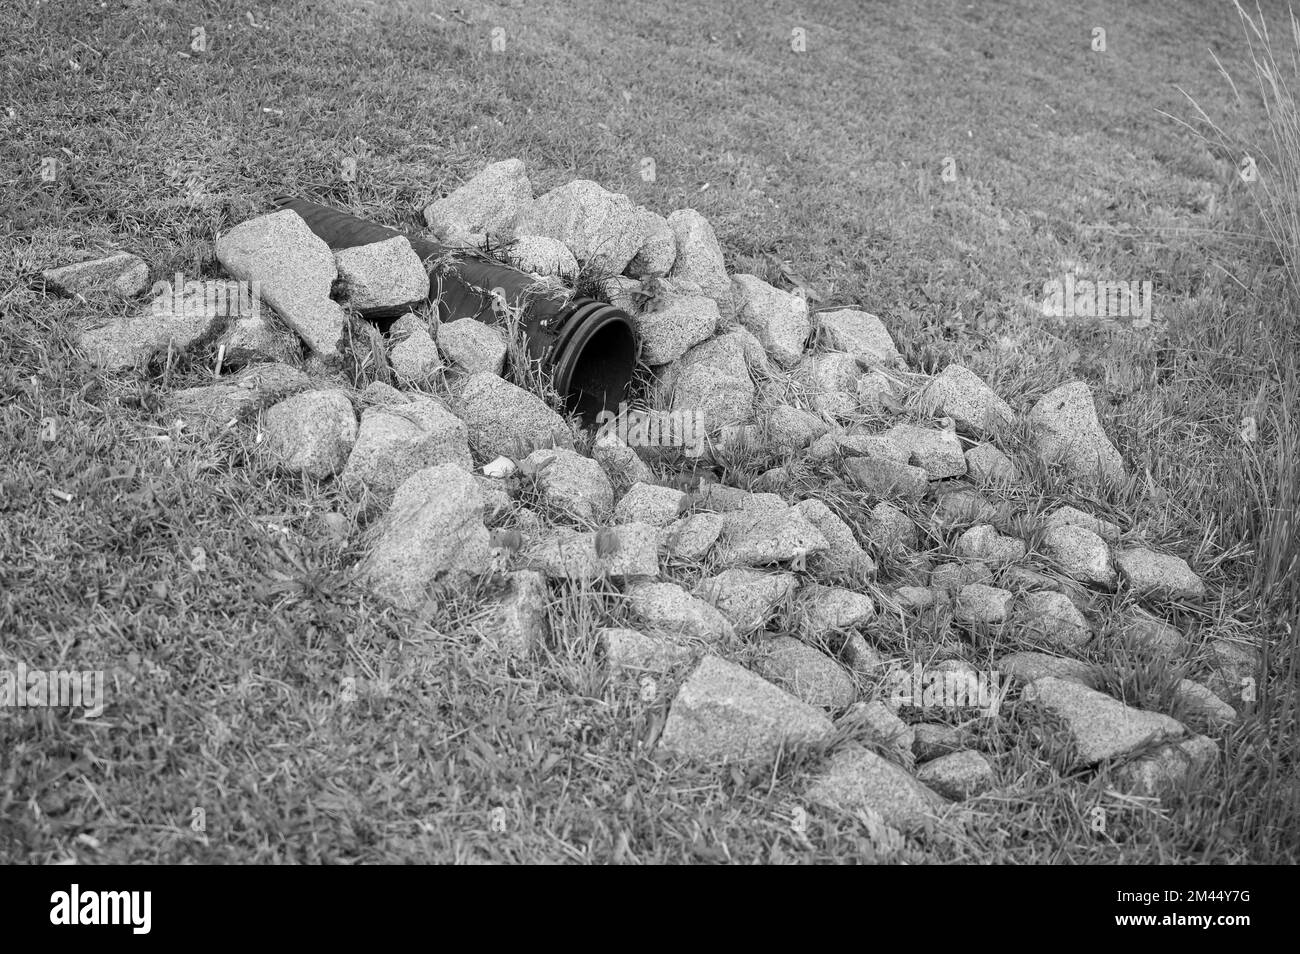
(225, 680)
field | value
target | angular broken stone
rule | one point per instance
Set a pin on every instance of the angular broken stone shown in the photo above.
(259, 338)
(473, 346)
(931, 740)
(691, 538)
(886, 478)
(949, 577)
(985, 464)
(296, 271)
(1071, 516)
(239, 396)
(1153, 634)
(576, 485)
(598, 226)
(377, 392)
(778, 319)
(842, 553)
(958, 776)
(1065, 428)
(714, 381)
(489, 203)
(1149, 573)
(622, 465)
(937, 452)
(830, 382)
(957, 507)
(415, 359)
(757, 537)
(658, 249)
(830, 609)
(516, 622)
(397, 440)
(630, 649)
(1052, 618)
(433, 533)
(382, 275)
(805, 672)
(1167, 766)
(748, 598)
(312, 432)
(878, 392)
(724, 712)
(506, 420)
(792, 429)
(542, 255)
(1200, 703)
(626, 552)
(890, 527)
(1100, 726)
(1028, 666)
(677, 325)
(650, 503)
(983, 542)
(884, 729)
(1080, 553)
(667, 608)
(177, 319)
(121, 274)
(699, 257)
(961, 394)
(725, 499)
(977, 603)
(860, 334)
(858, 779)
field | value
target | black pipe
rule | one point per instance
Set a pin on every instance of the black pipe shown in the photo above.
(587, 347)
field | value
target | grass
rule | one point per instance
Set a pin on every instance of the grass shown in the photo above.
(227, 683)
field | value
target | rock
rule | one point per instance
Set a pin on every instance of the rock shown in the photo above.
(1066, 516)
(860, 334)
(433, 533)
(598, 226)
(313, 432)
(830, 382)
(473, 346)
(414, 359)
(977, 603)
(726, 713)
(937, 452)
(542, 255)
(858, 779)
(650, 503)
(807, 673)
(878, 392)
(792, 429)
(748, 598)
(691, 538)
(958, 776)
(889, 527)
(377, 392)
(860, 445)
(1166, 767)
(176, 319)
(859, 655)
(714, 381)
(629, 649)
(778, 319)
(1153, 634)
(1150, 574)
(932, 740)
(961, 394)
(571, 483)
(506, 420)
(725, 499)
(1235, 667)
(699, 257)
(397, 440)
(296, 272)
(982, 542)
(382, 275)
(963, 506)
(1080, 553)
(237, 397)
(121, 274)
(1052, 618)
(886, 478)
(842, 553)
(622, 465)
(1065, 428)
(917, 598)
(831, 609)
(756, 537)
(496, 499)
(255, 339)
(623, 293)
(626, 552)
(658, 250)
(985, 464)
(884, 729)
(1020, 578)
(1100, 727)
(517, 621)
(949, 577)
(677, 325)
(668, 608)
(1027, 667)
(489, 203)
(1203, 705)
